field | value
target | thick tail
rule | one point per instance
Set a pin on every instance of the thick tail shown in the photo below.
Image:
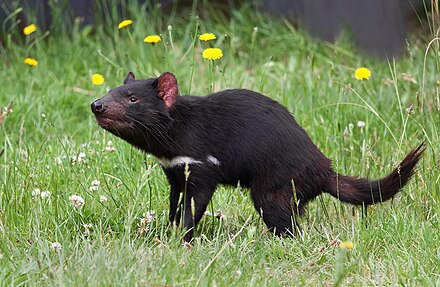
(363, 191)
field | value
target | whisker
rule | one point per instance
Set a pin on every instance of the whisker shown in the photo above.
(155, 129)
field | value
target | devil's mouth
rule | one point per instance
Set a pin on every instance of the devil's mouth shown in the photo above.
(113, 125)
(104, 122)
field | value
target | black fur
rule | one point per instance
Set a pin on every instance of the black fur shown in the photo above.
(256, 141)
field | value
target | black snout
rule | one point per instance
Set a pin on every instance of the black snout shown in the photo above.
(97, 107)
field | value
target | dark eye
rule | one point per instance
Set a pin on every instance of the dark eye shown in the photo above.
(133, 99)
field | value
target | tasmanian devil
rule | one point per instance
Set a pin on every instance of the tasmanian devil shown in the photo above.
(229, 137)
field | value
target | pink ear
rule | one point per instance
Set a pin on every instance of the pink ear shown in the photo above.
(168, 89)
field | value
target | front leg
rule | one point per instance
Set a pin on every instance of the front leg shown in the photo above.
(197, 191)
(176, 188)
(174, 203)
(196, 200)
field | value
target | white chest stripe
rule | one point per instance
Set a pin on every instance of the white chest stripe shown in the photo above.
(182, 160)
(177, 161)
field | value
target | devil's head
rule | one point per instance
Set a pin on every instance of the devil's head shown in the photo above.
(138, 107)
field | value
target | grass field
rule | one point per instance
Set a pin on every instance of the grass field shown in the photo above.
(50, 142)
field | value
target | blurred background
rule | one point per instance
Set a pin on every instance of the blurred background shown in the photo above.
(379, 28)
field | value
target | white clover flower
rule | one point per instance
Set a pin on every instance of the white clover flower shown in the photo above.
(78, 158)
(45, 194)
(361, 124)
(76, 201)
(58, 160)
(56, 246)
(96, 182)
(110, 147)
(147, 217)
(94, 186)
(103, 198)
(36, 192)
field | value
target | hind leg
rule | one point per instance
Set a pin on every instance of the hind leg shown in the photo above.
(278, 209)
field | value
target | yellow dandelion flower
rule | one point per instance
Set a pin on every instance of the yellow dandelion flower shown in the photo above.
(31, 62)
(346, 245)
(207, 37)
(212, 53)
(97, 79)
(152, 39)
(29, 29)
(125, 23)
(362, 73)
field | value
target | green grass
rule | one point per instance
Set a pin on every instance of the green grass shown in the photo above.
(397, 244)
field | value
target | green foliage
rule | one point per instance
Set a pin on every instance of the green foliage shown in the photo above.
(51, 125)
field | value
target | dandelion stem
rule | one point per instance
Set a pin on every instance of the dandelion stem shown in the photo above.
(211, 76)
(36, 41)
(130, 36)
(8, 19)
(108, 59)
